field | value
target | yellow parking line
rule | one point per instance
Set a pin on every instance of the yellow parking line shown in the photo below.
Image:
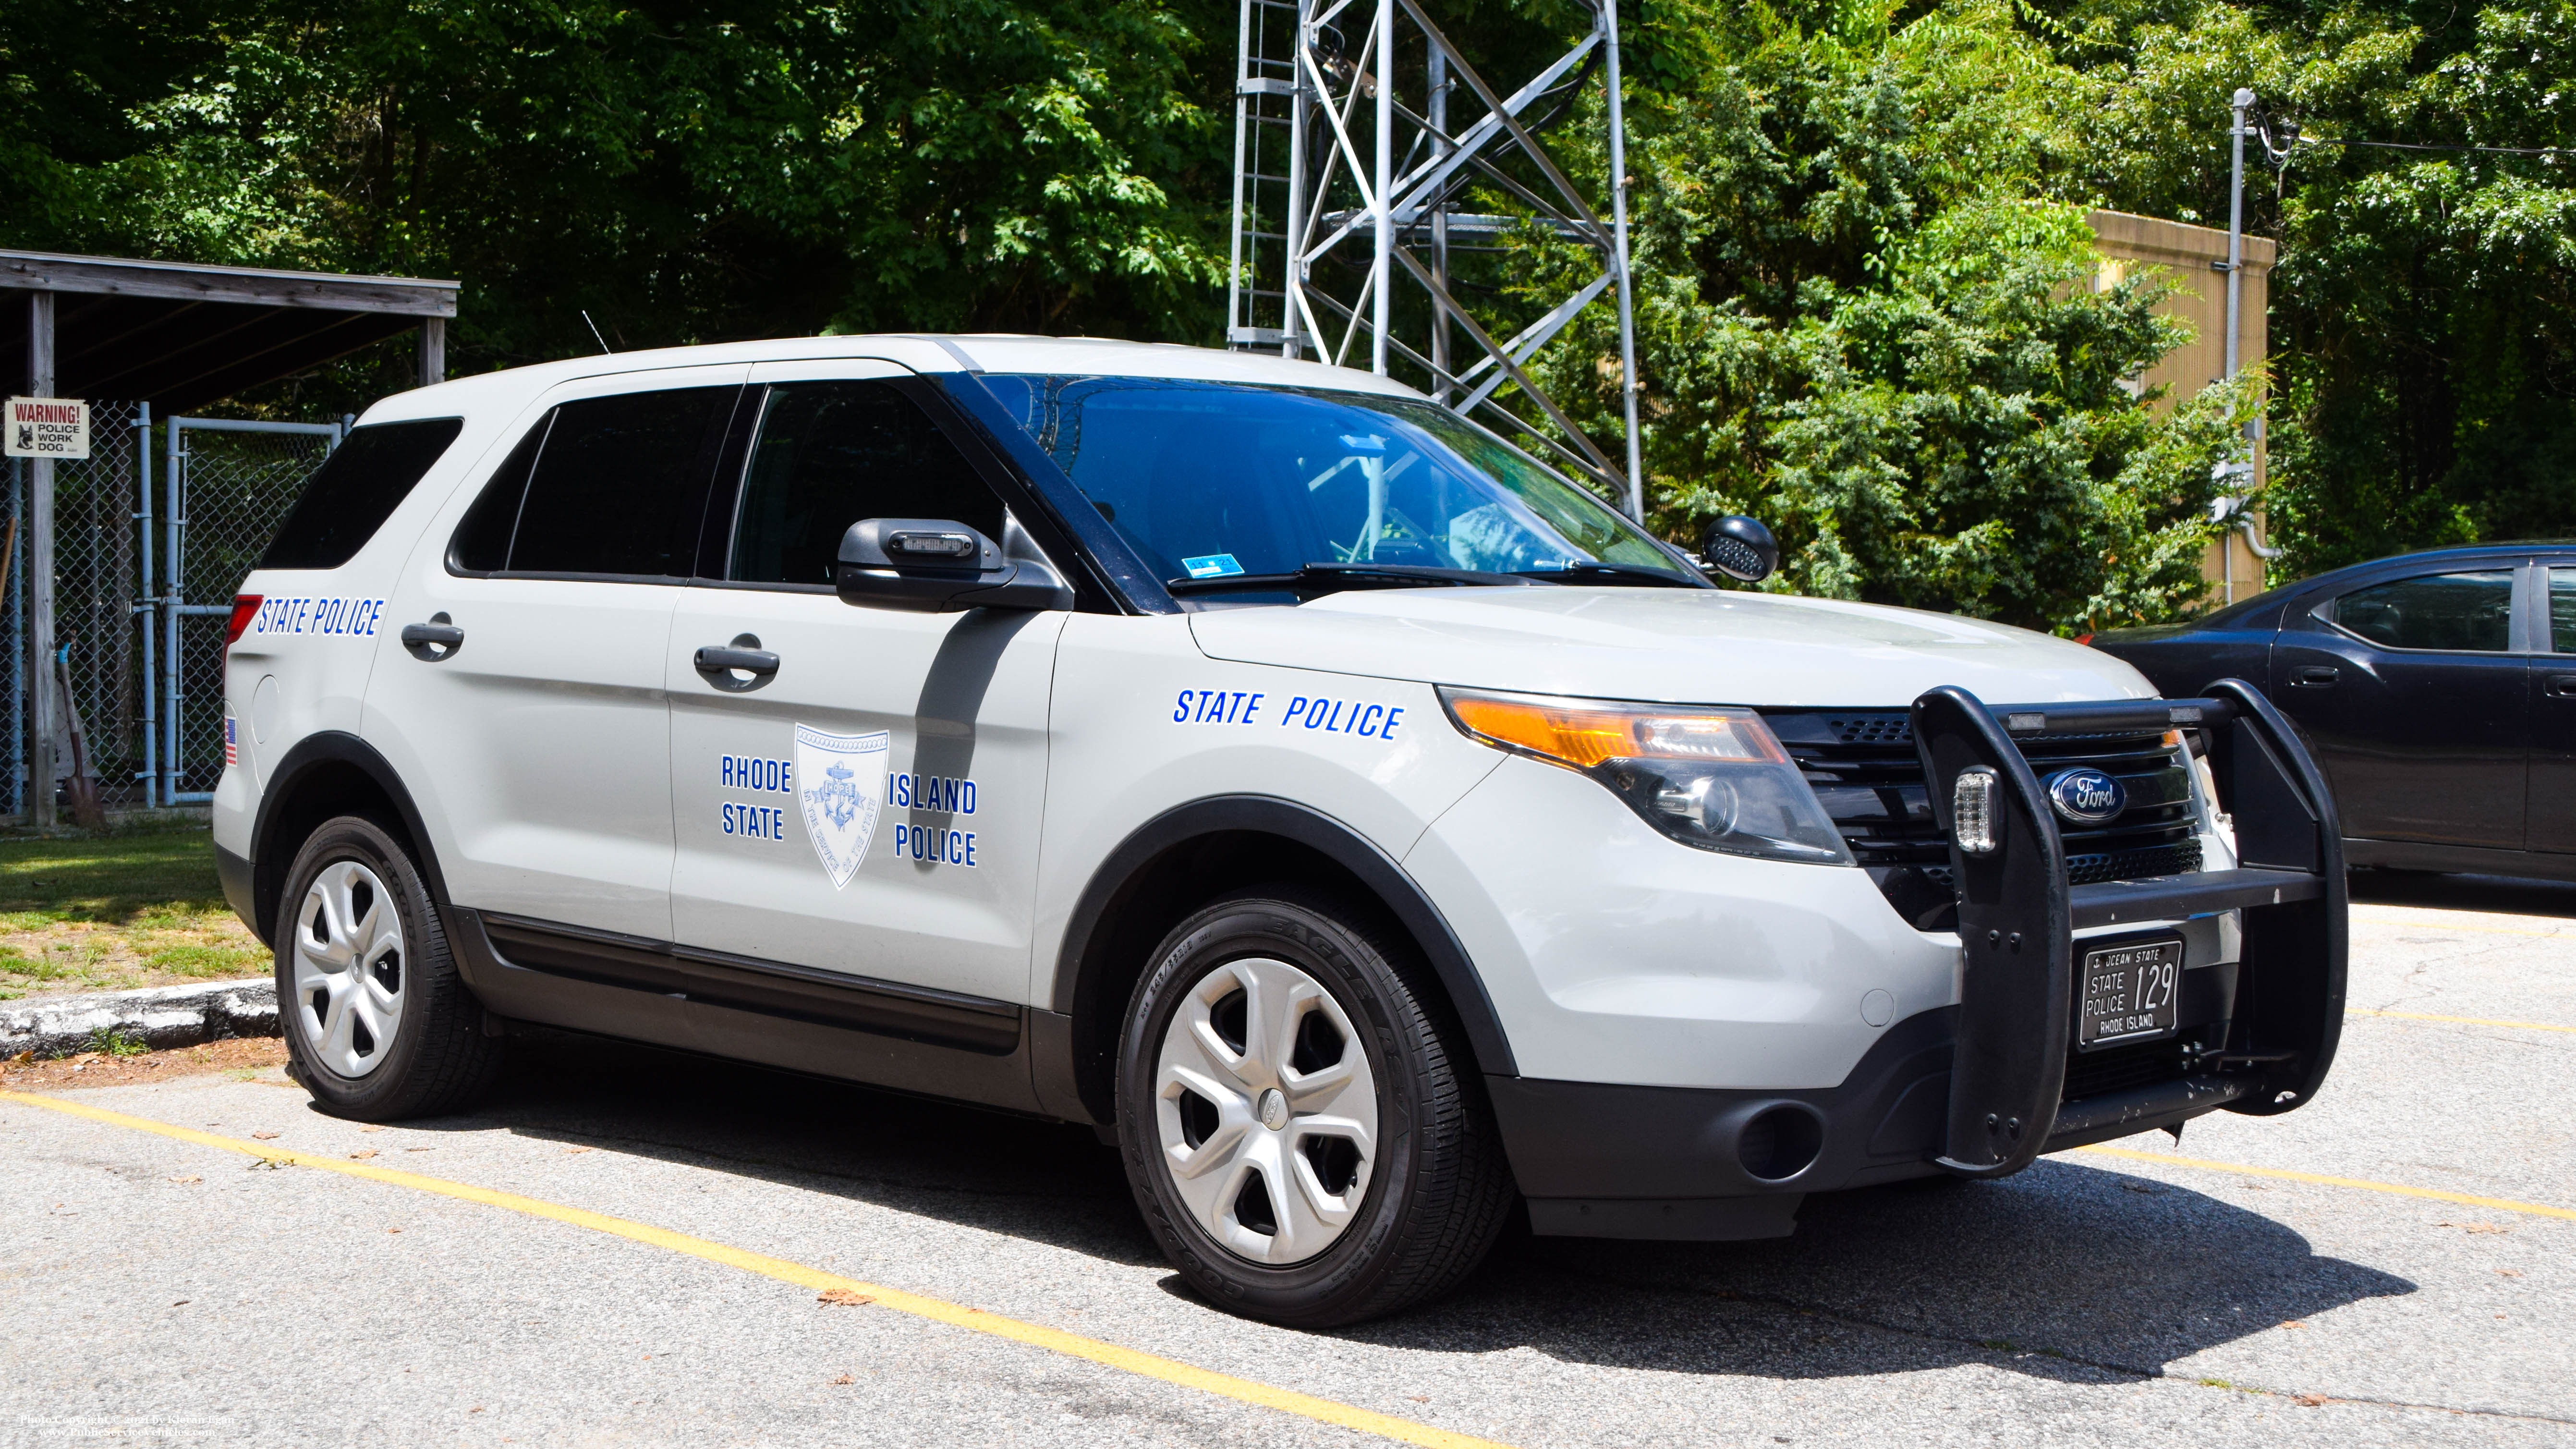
(2321, 1180)
(2461, 1020)
(1148, 1365)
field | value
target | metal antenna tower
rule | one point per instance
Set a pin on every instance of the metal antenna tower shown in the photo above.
(1352, 224)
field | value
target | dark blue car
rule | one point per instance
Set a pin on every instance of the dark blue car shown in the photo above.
(2438, 689)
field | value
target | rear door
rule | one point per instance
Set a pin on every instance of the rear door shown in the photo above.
(2413, 692)
(540, 742)
(870, 804)
(2553, 706)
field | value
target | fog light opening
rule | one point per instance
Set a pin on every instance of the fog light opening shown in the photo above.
(1780, 1142)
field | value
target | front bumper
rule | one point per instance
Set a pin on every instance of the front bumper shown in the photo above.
(1982, 1088)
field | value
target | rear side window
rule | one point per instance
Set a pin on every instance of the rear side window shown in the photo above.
(2562, 611)
(830, 454)
(611, 486)
(355, 490)
(2458, 612)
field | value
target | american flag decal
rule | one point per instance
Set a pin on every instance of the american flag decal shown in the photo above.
(232, 741)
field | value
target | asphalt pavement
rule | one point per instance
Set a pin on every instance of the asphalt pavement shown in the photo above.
(2257, 1283)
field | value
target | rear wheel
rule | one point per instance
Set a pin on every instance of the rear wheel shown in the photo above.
(1303, 1143)
(377, 1023)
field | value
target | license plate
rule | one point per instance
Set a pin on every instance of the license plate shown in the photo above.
(2130, 993)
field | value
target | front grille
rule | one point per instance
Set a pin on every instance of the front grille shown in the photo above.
(1864, 770)
(2117, 1069)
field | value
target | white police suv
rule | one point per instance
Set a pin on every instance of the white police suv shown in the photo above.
(1362, 825)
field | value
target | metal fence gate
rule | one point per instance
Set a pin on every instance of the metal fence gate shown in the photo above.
(144, 570)
(230, 484)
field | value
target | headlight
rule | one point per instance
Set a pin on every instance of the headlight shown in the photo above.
(1706, 776)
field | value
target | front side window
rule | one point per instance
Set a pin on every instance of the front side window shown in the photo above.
(829, 454)
(605, 486)
(2466, 612)
(2562, 611)
(1209, 480)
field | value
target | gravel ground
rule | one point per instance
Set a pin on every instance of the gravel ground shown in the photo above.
(157, 1291)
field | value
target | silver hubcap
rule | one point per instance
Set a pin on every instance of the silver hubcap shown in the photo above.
(1267, 1109)
(350, 968)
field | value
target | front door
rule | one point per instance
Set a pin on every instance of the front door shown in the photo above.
(869, 803)
(2553, 714)
(2415, 700)
(542, 724)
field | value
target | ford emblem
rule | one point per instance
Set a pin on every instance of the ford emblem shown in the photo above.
(2086, 796)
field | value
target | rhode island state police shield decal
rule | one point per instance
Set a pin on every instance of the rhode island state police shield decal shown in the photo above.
(841, 785)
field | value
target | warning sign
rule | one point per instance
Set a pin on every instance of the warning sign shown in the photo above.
(47, 427)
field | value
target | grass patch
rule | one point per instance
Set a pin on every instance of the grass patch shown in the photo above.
(136, 905)
(115, 878)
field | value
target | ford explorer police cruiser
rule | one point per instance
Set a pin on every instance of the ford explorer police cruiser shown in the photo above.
(1365, 828)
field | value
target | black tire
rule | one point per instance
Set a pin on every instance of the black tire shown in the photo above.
(1439, 1192)
(438, 1060)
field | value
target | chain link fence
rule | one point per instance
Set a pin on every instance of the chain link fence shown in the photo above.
(152, 533)
(98, 593)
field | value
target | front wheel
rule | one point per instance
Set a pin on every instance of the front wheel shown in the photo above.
(377, 1023)
(1303, 1143)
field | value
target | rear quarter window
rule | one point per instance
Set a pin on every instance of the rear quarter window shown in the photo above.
(355, 490)
(2460, 613)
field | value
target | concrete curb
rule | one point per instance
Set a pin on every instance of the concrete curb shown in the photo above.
(159, 1017)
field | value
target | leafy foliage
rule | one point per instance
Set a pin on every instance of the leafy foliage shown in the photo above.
(682, 173)
(1866, 310)
(1860, 327)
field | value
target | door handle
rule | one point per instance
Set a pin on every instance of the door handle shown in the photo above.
(722, 665)
(436, 640)
(2560, 686)
(2314, 676)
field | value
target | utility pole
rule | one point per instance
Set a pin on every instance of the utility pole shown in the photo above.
(42, 703)
(2240, 470)
(2239, 103)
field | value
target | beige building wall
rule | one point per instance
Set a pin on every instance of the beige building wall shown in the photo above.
(2195, 257)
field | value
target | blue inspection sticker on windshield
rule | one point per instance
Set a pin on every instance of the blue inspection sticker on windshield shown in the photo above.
(1212, 566)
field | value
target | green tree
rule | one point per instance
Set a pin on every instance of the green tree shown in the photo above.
(1859, 325)
(683, 173)
(2423, 327)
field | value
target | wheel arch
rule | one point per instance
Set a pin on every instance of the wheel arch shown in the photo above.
(329, 773)
(1178, 860)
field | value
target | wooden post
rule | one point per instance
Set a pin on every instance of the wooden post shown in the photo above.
(41, 699)
(433, 350)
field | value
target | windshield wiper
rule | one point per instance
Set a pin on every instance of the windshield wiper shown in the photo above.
(1594, 571)
(1326, 578)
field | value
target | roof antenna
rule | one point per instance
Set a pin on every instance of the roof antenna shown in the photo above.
(594, 331)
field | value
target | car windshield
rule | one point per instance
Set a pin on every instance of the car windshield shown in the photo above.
(1211, 480)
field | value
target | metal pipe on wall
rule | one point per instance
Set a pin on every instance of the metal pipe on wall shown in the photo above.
(40, 575)
(147, 610)
(173, 463)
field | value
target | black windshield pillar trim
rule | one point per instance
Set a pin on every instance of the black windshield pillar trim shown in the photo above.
(1110, 578)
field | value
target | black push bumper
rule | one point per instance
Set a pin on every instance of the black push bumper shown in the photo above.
(2018, 916)
(1984, 1087)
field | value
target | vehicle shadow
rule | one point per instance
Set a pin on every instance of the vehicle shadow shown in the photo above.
(2068, 1271)
(2508, 895)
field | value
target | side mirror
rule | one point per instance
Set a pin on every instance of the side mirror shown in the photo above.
(936, 565)
(1741, 548)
